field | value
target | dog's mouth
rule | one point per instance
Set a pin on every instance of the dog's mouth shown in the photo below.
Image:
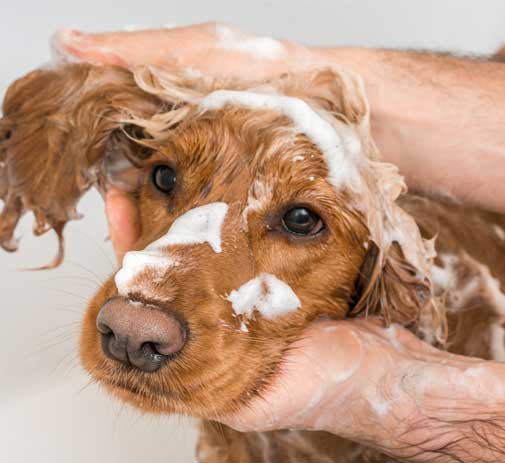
(147, 391)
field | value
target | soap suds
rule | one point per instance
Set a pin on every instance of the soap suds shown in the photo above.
(499, 232)
(267, 294)
(136, 262)
(243, 327)
(340, 153)
(391, 334)
(260, 195)
(199, 225)
(497, 342)
(260, 47)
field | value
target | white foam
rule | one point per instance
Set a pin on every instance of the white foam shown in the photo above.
(135, 263)
(260, 47)
(199, 225)
(381, 409)
(497, 342)
(392, 335)
(243, 327)
(341, 153)
(267, 294)
(499, 232)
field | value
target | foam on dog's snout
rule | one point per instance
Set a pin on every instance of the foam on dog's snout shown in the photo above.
(267, 294)
(136, 262)
(199, 225)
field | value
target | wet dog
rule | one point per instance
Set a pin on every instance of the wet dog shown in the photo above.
(264, 206)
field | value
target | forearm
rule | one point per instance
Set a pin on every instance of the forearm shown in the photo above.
(440, 119)
(439, 413)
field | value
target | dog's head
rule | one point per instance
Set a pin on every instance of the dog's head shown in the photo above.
(263, 207)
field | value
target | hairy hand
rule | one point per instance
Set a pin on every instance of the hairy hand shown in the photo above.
(213, 49)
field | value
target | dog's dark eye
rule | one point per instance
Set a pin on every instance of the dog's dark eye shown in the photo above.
(7, 135)
(302, 221)
(164, 178)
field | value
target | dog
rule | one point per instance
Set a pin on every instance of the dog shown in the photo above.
(263, 206)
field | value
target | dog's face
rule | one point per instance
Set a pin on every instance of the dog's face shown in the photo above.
(250, 230)
(279, 224)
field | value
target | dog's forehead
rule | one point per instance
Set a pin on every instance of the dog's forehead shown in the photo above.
(340, 149)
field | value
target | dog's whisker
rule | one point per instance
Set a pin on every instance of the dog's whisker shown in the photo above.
(68, 293)
(99, 246)
(99, 279)
(92, 283)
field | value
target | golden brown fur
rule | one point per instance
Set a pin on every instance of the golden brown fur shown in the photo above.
(65, 129)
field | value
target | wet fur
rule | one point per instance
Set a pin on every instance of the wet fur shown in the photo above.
(63, 129)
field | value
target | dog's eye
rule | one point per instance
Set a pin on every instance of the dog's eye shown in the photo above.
(164, 178)
(302, 221)
(7, 135)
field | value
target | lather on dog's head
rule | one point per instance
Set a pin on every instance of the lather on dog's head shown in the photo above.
(263, 207)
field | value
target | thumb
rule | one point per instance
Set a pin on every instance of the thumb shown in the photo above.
(123, 220)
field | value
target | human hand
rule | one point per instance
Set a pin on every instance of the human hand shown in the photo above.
(123, 220)
(212, 49)
(385, 388)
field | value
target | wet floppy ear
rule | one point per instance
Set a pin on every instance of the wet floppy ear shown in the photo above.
(390, 287)
(60, 127)
(125, 153)
(335, 91)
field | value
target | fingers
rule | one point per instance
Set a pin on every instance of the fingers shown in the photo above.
(123, 219)
(124, 48)
(213, 49)
(94, 49)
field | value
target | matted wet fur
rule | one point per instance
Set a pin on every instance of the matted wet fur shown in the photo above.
(74, 126)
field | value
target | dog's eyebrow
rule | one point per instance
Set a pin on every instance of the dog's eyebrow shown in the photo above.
(198, 225)
(341, 150)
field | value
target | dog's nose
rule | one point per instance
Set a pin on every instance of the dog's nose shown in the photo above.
(141, 335)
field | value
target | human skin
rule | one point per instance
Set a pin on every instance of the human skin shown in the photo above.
(440, 120)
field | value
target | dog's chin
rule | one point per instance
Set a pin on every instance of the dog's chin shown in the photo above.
(145, 399)
(152, 394)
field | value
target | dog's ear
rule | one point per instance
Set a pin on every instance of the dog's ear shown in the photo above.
(499, 55)
(62, 131)
(337, 92)
(392, 288)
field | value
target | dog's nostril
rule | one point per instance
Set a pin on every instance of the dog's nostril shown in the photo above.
(103, 329)
(150, 351)
(142, 336)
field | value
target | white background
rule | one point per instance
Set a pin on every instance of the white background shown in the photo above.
(47, 411)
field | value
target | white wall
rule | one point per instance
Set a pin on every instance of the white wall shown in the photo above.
(45, 415)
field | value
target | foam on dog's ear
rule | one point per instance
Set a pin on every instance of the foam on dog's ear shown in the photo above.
(56, 125)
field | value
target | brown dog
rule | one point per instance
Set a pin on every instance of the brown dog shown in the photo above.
(263, 207)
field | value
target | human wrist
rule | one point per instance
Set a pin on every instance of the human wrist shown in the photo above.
(441, 412)
(411, 401)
